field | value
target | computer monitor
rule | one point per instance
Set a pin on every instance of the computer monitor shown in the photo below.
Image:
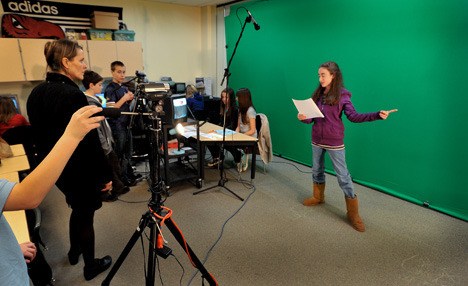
(179, 87)
(15, 100)
(175, 109)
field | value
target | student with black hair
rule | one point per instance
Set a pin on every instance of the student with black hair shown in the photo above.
(92, 81)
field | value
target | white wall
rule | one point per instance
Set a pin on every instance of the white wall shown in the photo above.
(178, 41)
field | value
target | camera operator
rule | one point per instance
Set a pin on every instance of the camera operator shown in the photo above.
(119, 94)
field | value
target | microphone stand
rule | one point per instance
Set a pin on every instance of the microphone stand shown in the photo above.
(223, 180)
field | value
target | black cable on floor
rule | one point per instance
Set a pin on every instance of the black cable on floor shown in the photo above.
(249, 185)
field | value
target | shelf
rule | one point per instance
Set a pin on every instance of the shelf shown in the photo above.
(174, 166)
(171, 155)
(179, 171)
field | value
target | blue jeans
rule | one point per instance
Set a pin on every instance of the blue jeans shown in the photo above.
(338, 159)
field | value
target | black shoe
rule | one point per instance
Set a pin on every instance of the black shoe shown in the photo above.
(121, 191)
(99, 266)
(136, 177)
(129, 182)
(109, 197)
(73, 257)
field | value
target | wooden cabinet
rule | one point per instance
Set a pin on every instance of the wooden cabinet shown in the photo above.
(24, 58)
(101, 55)
(34, 63)
(131, 54)
(12, 69)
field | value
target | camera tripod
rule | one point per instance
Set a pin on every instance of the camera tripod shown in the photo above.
(154, 218)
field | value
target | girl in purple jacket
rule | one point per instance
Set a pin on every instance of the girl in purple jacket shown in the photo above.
(327, 136)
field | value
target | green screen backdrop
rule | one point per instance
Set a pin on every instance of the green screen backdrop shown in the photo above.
(409, 55)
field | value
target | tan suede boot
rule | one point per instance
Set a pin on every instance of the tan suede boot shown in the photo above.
(318, 195)
(353, 214)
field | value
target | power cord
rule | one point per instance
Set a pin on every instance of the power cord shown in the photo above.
(248, 185)
(287, 163)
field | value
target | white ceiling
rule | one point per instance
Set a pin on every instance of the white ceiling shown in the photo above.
(197, 3)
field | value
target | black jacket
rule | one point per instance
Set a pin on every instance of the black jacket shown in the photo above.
(50, 107)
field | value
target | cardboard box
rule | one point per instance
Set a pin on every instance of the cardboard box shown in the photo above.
(124, 35)
(105, 20)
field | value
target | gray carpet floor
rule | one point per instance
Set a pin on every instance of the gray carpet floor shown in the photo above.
(271, 238)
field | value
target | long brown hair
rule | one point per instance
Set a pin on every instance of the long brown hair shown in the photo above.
(244, 97)
(7, 109)
(55, 51)
(231, 99)
(334, 94)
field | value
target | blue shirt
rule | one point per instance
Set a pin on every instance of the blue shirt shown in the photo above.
(196, 102)
(114, 92)
(13, 270)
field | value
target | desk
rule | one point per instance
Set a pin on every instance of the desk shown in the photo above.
(9, 171)
(236, 139)
(14, 164)
(17, 150)
(17, 162)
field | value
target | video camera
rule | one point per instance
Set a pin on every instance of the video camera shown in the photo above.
(150, 95)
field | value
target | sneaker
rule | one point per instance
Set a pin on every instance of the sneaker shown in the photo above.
(214, 163)
(246, 163)
(239, 167)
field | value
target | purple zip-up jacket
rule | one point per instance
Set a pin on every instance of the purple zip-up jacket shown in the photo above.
(329, 130)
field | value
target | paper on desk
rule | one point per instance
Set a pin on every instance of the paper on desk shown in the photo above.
(228, 131)
(307, 107)
(188, 134)
(212, 135)
(189, 131)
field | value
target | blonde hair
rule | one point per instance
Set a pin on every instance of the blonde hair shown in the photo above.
(190, 90)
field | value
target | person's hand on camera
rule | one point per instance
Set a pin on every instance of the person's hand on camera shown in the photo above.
(29, 251)
(82, 122)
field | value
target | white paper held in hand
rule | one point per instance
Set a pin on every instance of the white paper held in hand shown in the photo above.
(307, 107)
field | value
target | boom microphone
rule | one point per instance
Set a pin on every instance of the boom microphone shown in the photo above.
(112, 112)
(251, 18)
